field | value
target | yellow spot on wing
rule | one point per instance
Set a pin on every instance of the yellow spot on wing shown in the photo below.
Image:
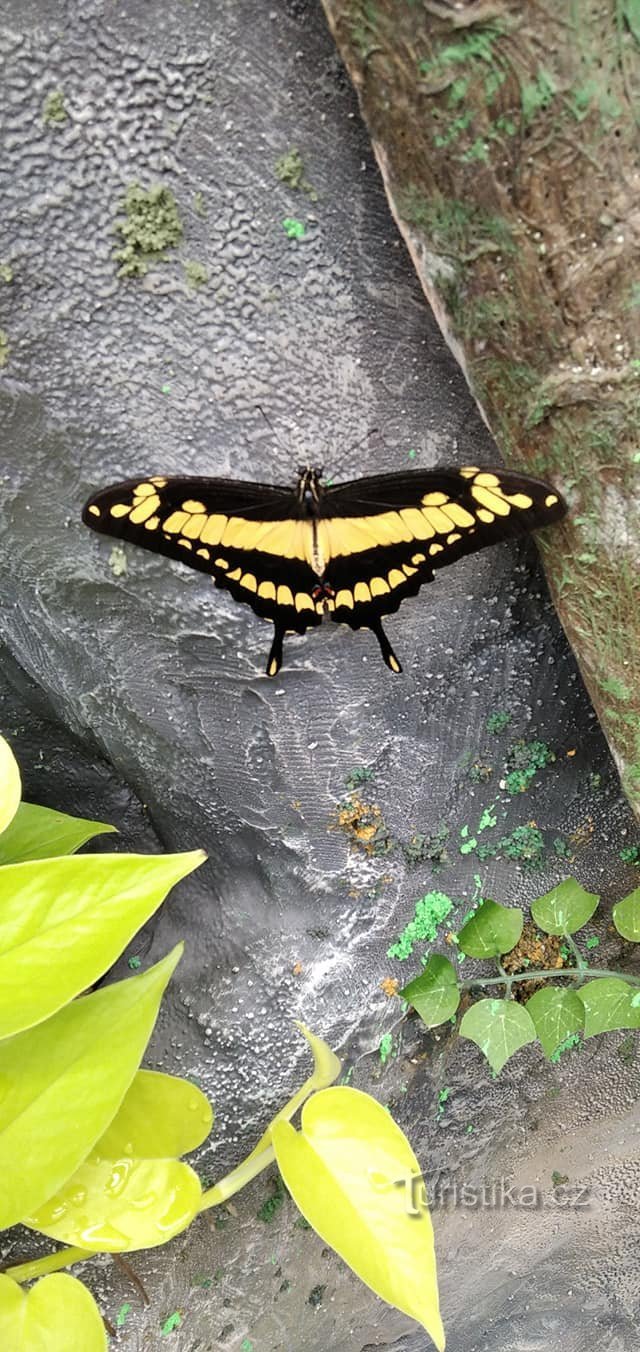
(361, 592)
(393, 662)
(221, 563)
(152, 523)
(194, 526)
(459, 515)
(418, 558)
(144, 490)
(144, 509)
(492, 501)
(550, 500)
(379, 587)
(284, 596)
(436, 549)
(186, 544)
(267, 591)
(248, 580)
(434, 499)
(211, 533)
(193, 507)
(451, 539)
(469, 471)
(519, 500)
(303, 601)
(406, 568)
(204, 553)
(233, 577)
(120, 509)
(419, 526)
(485, 480)
(159, 482)
(438, 519)
(396, 578)
(345, 598)
(95, 511)
(484, 515)
(175, 523)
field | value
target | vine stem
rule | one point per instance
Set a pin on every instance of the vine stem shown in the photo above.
(52, 1262)
(582, 973)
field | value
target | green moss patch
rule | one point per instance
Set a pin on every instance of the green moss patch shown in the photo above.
(53, 109)
(151, 226)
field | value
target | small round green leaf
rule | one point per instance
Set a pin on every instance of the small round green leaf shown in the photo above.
(58, 1313)
(434, 994)
(160, 1115)
(494, 929)
(609, 1003)
(499, 1028)
(626, 916)
(556, 1014)
(565, 909)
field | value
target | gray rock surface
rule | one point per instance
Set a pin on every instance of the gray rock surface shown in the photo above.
(138, 696)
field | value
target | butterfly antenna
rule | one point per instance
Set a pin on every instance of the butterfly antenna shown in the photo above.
(385, 647)
(344, 459)
(271, 427)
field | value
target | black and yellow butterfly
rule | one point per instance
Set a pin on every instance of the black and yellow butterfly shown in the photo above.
(354, 550)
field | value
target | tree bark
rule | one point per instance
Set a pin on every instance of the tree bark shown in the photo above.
(506, 132)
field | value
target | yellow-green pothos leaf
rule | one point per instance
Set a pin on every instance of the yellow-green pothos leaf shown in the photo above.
(42, 833)
(63, 1082)
(499, 1028)
(565, 909)
(58, 1314)
(63, 923)
(160, 1115)
(355, 1178)
(10, 785)
(129, 1193)
(609, 1003)
(111, 1205)
(434, 994)
(556, 1014)
(626, 916)
(492, 930)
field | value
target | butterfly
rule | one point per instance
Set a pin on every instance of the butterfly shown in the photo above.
(352, 550)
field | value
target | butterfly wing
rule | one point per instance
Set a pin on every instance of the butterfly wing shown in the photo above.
(247, 536)
(381, 538)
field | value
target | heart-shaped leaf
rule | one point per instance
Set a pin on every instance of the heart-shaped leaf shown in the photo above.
(608, 1003)
(626, 916)
(10, 786)
(111, 1205)
(565, 909)
(58, 1314)
(41, 833)
(434, 994)
(355, 1177)
(499, 1028)
(160, 1115)
(492, 930)
(63, 1082)
(84, 909)
(556, 1014)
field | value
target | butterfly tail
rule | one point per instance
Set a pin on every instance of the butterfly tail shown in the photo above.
(274, 660)
(385, 648)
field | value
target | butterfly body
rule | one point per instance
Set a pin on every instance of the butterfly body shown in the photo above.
(354, 550)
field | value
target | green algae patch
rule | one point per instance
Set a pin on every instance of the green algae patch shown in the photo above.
(53, 109)
(5, 348)
(195, 273)
(290, 170)
(294, 229)
(151, 226)
(430, 912)
(524, 760)
(6, 273)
